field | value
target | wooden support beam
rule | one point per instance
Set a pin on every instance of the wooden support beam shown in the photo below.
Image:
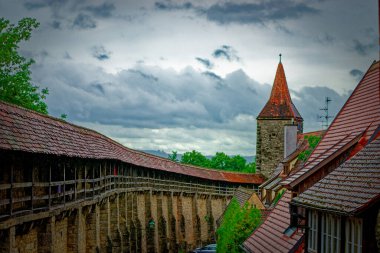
(11, 190)
(85, 180)
(49, 185)
(75, 178)
(93, 181)
(64, 183)
(32, 187)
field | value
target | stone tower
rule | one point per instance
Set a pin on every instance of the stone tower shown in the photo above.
(278, 112)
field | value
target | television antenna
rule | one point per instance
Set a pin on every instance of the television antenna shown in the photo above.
(324, 119)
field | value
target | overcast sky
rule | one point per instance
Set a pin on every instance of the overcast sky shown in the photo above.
(184, 75)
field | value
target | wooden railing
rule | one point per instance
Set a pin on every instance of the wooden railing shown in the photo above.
(32, 197)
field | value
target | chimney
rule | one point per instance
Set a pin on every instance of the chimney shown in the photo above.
(290, 139)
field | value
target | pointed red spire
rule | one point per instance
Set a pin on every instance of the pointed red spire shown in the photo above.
(280, 104)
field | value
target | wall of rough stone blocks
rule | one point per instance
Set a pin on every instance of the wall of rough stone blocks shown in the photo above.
(27, 242)
(107, 225)
(270, 144)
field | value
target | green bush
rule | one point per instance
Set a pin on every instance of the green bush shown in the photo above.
(237, 225)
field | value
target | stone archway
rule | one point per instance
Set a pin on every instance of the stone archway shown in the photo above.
(162, 235)
(150, 234)
(173, 234)
(197, 231)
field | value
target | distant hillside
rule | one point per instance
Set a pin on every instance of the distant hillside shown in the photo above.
(163, 154)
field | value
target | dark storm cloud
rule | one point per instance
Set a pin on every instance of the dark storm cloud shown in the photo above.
(152, 97)
(103, 11)
(84, 21)
(205, 62)
(363, 48)
(67, 56)
(144, 75)
(212, 75)
(358, 74)
(309, 100)
(100, 53)
(325, 39)
(245, 13)
(98, 88)
(31, 5)
(56, 25)
(226, 52)
(168, 6)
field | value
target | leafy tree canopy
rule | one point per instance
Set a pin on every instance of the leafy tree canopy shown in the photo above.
(15, 80)
(238, 223)
(195, 158)
(220, 161)
(173, 156)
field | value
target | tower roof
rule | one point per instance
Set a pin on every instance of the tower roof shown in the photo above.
(280, 104)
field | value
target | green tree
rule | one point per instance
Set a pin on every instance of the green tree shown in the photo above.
(15, 80)
(220, 161)
(250, 168)
(173, 156)
(238, 223)
(195, 158)
(237, 163)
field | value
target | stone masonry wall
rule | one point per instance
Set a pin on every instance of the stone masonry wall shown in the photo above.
(119, 223)
(27, 242)
(270, 145)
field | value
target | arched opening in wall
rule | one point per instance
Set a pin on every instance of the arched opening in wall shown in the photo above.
(197, 231)
(72, 227)
(173, 234)
(162, 235)
(210, 227)
(150, 232)
(4, 240)
(138, 235)
(132, 237)
(126, 238)
(182, 230)
(90, 229)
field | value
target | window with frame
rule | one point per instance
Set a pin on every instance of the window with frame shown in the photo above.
(312, 243)
(330, 233)
(354, 228)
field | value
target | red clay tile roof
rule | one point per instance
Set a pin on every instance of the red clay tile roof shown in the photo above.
(25, 130)
(269, 236)
(280, 104)
(360, 114)
(349, 188)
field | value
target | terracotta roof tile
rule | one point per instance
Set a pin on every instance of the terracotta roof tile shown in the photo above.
(350, 187)
(360, 114)
(25, 130)
(280, 104)
(269, 236)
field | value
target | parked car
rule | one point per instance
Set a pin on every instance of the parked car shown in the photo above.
(211, 248)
